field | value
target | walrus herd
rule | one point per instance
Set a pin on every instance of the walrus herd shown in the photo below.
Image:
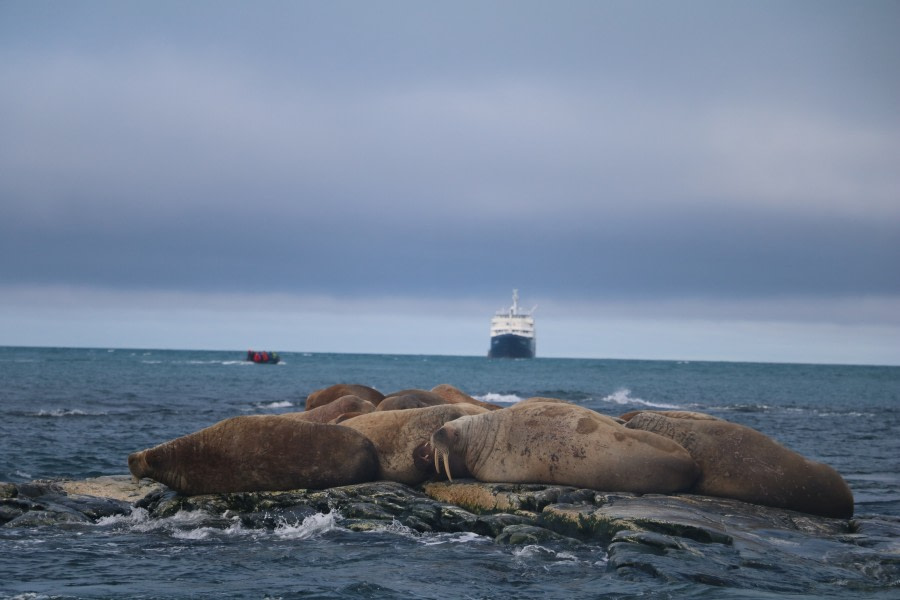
(351, 433)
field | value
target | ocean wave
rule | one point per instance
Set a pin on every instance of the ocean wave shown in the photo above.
(744, 408)
(499, 398)
(137, 515)
(800, 410)
(532, 550)
(623, 397)
(395, 527)
(555, 558)
(202, 533)
(466, 537)
(275, 404)
(183, 525)
(853, 413)
(68, 412)
(312, 526)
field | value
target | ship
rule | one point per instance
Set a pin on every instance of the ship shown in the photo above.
(512, 332)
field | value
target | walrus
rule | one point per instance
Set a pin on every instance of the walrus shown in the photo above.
(259, 453)
(454, 395)
(407, 402)
(344, 416)
(328, 412)
(339, 390)
(412, 398)
(742, 463)
(402, 439)
(675, 414)
(564, 444)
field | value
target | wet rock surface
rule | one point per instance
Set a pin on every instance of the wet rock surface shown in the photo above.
(671, 538)
(42, 503)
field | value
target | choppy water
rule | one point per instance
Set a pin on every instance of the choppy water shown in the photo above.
(79, 413)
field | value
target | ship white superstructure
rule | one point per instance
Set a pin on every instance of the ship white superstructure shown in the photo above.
(512, 332)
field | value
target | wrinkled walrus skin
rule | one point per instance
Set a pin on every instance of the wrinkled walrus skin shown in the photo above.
(564, 444)
(402, 437)
(339, 390)
(331, 411)
(259, 453)
(741, 463)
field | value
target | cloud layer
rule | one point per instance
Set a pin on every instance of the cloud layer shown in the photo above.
(588, 153)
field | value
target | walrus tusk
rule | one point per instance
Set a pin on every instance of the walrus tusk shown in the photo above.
(446, 456)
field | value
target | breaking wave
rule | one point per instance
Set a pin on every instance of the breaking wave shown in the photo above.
(499, 398)
(551, 557)
(312, 526)
(68, 412)
(200, 525)
(276, 404)
(623, 397)
(464, 537)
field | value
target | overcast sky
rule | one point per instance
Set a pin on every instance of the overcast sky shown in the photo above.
(678, 180)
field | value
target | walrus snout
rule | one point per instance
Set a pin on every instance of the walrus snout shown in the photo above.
(445, 437)
(441, 442)
(137, 464)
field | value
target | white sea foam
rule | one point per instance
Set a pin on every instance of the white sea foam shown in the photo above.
(623, 397)
(312, 526)
(533, 550)
(136, 516)
(499, 398)
(852, 413)
(466, 537)
(556, 558)
(277, 404)
(68, 412)
(185, 524)
(397, 528)
(202, 533)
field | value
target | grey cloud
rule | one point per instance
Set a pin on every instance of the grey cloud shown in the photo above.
(603, 149)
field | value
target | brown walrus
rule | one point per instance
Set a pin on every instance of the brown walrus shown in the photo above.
(339, 390)
(565, 444)
(742, 463)
(454, 395)
(402, 439)
(407, 399)
(327, 413)
(440, 394)
(259, 453)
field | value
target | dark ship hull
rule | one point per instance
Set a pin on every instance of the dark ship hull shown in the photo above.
(511, 346)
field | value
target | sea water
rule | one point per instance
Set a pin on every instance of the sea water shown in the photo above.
(78, 413)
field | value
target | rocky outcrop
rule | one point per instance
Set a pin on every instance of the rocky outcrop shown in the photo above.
(675, 538)
(49, 503)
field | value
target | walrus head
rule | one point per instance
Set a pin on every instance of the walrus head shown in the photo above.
(137, 464)
(445, 442)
